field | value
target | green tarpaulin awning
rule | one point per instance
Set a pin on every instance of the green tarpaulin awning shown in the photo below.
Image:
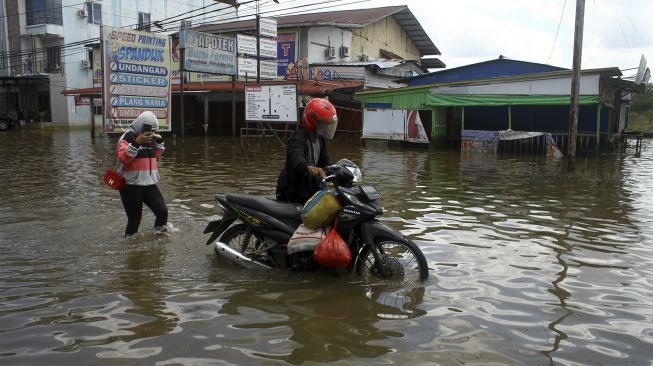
(448, 100)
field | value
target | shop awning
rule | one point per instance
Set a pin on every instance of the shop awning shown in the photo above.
(448, 100)
(308, 87)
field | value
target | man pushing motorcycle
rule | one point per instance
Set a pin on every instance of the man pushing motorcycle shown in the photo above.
(307, 155)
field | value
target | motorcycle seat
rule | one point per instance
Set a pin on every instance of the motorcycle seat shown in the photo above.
(267, 205)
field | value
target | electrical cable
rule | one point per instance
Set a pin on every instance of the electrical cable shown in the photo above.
(555, 39)
(83, 44)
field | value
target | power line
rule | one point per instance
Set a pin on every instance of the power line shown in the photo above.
(283, 9)
(557, 31)
(44, 10)
(623, 34)
(84, 43)
(22, 53)
(630, 20)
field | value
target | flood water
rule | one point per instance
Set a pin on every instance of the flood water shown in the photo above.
(529, 265)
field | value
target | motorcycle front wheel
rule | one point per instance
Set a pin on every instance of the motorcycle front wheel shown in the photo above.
(239, 238)
(400, 262)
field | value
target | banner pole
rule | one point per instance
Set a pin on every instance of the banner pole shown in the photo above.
(181, 93)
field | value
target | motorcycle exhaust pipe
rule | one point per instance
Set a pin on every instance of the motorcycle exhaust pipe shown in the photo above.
(232, 255)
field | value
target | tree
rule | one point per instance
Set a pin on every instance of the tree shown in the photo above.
(642, 103)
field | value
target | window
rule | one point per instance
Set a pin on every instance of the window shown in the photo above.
(94, 13)
(144, 21)
(53, 62)
(43, 12)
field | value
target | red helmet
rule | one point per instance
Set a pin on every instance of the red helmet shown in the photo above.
(320, 117)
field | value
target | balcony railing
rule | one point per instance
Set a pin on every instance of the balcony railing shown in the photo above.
(43, 67)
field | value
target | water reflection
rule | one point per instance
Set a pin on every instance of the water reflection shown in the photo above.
(307, 323)
(529, 265)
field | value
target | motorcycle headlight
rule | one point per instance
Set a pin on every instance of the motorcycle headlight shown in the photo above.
(356, 172)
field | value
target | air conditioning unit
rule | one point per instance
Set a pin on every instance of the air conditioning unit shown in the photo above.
(330, 52)
(86, 64)
(82, 13)
(344, 51)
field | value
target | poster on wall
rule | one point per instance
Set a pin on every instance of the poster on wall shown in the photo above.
(136, 77)
(286, 51)
(393, 124)
(96, 67)
(271, 103)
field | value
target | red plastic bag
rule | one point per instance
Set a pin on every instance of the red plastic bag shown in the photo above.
(332, 252)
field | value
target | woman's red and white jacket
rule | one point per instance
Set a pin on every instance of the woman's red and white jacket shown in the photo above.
(138, 163)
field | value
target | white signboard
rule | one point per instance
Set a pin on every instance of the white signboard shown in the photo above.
(268, 48)
(247, 67)
(393, 124)
(209, 53)
(271, 103)
(247, 46)
(268, 27)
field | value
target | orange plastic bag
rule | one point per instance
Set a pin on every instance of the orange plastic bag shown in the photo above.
(333, 251)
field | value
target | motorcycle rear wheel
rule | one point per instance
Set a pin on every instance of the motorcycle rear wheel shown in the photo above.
(402, 262)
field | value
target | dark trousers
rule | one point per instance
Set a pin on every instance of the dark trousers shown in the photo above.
(133, 198)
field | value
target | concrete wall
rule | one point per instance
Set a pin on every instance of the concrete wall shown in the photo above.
(14, 32)
(589, 85)
(4, 41)
(387, 34)
(321, 38)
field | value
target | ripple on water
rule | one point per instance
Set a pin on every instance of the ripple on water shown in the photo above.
(528, 265)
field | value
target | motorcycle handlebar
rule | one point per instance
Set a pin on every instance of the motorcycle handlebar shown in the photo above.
(329, 178)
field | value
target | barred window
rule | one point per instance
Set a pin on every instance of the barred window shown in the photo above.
(144, 21)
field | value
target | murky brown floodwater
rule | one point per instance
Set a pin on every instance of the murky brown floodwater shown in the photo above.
(529, 266)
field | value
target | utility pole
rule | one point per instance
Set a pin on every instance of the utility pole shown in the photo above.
(575, 84)
(258, 46)
(181, 92)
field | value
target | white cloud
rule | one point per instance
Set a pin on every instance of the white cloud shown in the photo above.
(616, 32)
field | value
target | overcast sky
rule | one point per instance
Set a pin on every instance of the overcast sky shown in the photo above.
(616, 32)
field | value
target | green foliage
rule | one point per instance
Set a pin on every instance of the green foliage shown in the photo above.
(642, 103)
(641, 122)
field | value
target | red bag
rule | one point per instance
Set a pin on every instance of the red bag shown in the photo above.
(333, 252)
(114, 179)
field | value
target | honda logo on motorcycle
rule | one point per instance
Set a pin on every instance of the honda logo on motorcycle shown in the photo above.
(346, 210)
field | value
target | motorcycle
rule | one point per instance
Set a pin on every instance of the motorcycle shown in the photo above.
(254, 232)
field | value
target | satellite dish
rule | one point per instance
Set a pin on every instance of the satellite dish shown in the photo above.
(647, 76)
(641, 70)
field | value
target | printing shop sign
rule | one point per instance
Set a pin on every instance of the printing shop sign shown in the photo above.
(208, 53)
(136, 77)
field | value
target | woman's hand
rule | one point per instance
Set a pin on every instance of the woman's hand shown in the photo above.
(313, 170)
(144, 139)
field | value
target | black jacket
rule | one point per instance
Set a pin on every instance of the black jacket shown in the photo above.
(294, 183)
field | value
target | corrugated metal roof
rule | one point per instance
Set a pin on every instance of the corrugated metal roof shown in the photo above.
(356, 18)
(381, 64)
